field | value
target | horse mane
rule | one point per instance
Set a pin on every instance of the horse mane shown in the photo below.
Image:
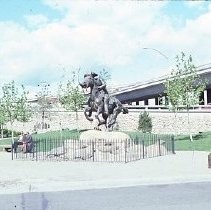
(86, 75)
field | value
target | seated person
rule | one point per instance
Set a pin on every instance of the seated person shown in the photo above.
(19, 142)
(29, 142)
(24, 143)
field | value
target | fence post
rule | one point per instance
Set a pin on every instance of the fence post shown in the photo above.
(33, 150)
(126, 151)
(159, 147)
(36, 148)
(43, 149)
(172, 144)
(93, 151)
(63, 150)
(209, 160)
(12, 150)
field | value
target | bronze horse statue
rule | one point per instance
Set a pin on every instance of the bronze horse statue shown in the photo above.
(100, 102)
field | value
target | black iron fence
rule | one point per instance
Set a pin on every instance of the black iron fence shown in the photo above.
(97, 150)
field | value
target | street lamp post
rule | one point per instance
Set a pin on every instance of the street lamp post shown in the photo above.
(164, 56)
(158, 51)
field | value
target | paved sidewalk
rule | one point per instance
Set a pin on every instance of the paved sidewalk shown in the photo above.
(30, 176)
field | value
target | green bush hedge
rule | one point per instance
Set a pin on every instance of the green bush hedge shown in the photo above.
(145, 122)
(8, 133)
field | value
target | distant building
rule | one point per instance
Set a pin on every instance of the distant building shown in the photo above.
(152, 92)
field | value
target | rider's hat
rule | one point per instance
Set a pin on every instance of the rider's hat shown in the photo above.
(94, 74)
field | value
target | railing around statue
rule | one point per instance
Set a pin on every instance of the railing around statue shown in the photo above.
(115, 150)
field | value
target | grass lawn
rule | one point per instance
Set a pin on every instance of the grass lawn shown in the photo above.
(201, 142)
(5, 141)
(56, 135)
(64, 134)
(49, 140)
(147, 136)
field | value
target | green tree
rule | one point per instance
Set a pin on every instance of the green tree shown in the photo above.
(105, 75)
(43, 103)
(184, 86)
(23, 108)
(11, 104)
(70, 96)
(145, 122)
(14, 106)
(3, 119)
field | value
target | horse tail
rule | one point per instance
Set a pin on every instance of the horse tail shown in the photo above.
(124, 110)
(120, 106)
(87, 109)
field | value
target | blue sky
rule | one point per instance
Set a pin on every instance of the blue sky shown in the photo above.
(181, 11)
(41, 40)
(15, 10)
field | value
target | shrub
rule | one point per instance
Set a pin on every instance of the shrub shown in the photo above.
(145, 122)
(8, 133)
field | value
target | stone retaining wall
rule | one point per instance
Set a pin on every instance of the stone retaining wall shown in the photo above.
(166, 122)
(163, 122)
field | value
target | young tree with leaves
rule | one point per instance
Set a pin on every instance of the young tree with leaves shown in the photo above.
(9, 103)
(43, 103)
(184, 86)
(13, 104)
(71, 97)
(105, 75)
(3, 119)
(23, 108)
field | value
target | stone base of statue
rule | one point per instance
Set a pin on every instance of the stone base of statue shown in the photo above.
(104, 141)
(103, 135)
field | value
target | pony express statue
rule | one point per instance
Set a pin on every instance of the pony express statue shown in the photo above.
(108, 107)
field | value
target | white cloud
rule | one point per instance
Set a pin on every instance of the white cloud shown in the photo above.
(99, 33)
(193, 38)
(194, 3)
(36, 20)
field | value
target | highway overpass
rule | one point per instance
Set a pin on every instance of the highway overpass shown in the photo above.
(143, 92)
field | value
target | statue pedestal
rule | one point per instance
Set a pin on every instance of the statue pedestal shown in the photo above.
(104, 141)
(103, 135)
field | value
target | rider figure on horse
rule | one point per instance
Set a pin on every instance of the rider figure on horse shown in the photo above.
(102, 86)
(100, 101)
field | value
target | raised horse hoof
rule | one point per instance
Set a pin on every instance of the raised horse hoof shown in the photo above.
(96, 128)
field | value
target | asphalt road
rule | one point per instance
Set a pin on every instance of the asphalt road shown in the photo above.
(194, 196)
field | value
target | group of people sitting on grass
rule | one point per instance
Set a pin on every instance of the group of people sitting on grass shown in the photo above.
(25, 142)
